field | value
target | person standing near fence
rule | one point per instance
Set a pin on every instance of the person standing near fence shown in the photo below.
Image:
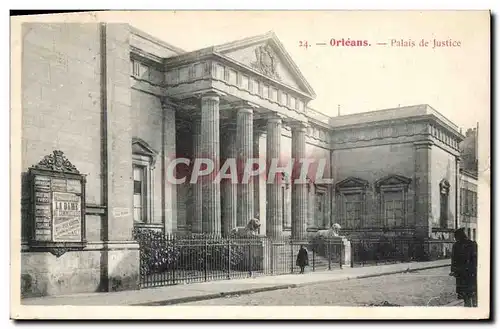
(464, 268)
(302, 259)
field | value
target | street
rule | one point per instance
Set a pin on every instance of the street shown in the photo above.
(422, 288)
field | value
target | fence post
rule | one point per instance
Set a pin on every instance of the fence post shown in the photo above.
(228, 258)
(328, 252)
(314, 252)
(250, 258)
(291, 256)
(353, 250)
(272, 255)
(205, 258)
(174, 260)
(342, 251)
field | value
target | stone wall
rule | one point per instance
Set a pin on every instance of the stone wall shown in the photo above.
(371, 164)
(443, 167)
(76, 98)
(146, 120)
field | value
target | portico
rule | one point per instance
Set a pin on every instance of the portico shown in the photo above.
(233, 95)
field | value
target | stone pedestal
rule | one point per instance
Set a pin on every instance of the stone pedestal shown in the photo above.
(346, 252)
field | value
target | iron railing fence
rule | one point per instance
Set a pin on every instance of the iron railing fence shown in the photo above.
(372, 251)
(171, 259)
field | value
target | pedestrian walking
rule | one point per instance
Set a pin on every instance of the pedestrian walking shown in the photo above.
(464, 268)
(302, 259)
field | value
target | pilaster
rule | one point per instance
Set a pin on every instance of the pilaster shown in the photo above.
(423, 187)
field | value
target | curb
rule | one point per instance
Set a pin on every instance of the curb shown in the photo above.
(190, 299)
(214, 295)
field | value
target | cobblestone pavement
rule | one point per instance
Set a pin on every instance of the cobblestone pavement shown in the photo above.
(423, 288)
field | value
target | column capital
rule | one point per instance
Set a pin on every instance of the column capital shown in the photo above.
(299, 126)
(209, 93)
(273, 117)
(167, 103)
(244, 105)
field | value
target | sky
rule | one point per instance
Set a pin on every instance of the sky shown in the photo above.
(454, 80)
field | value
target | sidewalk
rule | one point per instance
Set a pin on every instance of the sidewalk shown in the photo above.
(215, 289)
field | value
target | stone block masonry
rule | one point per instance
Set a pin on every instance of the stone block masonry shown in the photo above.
(76, 98)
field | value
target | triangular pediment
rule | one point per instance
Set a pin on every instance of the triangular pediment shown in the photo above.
(266, 55)
(393, 180)
(140, 147)
(352, 182)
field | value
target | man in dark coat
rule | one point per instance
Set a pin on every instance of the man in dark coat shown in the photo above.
(302, 259)
(464, 268)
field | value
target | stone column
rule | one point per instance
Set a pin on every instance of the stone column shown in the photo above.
(256, 180)
(229, 189)
(196, 224)
(299, 189)
(211, 212)
(274, 215)
(423, 188)
(244, 140)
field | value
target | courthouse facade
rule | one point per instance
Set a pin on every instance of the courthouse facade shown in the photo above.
(116, 106)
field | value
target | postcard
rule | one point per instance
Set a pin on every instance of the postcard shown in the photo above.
(250, 165)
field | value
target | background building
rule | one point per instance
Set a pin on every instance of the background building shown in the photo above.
(468, 182)
(121, 105)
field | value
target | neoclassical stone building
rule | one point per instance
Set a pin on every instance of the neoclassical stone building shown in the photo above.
(121, 105)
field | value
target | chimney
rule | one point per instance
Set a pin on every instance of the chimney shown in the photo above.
(338, 110)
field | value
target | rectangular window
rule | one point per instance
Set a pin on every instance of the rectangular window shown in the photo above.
(474, 200)
(473, 234)
(462, 201)
(393, 209)
(292, 102)
(140, 193)
(353, 210)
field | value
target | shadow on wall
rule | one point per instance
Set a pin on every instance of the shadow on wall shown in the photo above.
(25, 204)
